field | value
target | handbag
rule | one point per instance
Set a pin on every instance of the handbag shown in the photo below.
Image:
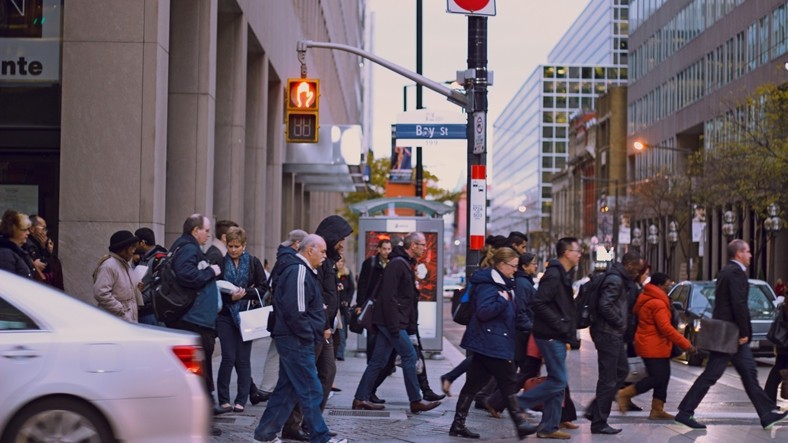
(463, 313)
(365, 318)
(536, 381)
(353, 322)
(254, 322)
(778, 331)
(718, 336)
(637, 370)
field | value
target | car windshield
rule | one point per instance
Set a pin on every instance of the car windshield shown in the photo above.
(759, 301)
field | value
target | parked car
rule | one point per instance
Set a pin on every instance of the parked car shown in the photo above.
(72, 372)
(695, 299)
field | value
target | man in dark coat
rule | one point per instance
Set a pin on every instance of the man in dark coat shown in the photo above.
(608, 333)
(333, 229)
(395, 319)
(554, 331)
(731, 305)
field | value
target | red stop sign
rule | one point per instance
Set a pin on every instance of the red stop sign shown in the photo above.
(471, 5)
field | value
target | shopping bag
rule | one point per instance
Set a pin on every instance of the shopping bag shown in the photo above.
(254, 322)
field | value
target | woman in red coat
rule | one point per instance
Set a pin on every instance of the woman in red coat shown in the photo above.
(654, 340)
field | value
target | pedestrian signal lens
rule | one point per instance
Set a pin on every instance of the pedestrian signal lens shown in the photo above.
(301, 110)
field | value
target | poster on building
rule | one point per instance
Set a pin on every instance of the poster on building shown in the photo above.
(698, 224)
(426, 267)
(30, 41)
(401, 170)
(22, 198)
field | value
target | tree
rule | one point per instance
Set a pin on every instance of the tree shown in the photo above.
(376, 188)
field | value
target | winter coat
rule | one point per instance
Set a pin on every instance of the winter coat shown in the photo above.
(524, 292)
(115, 288)
(655, 334)
(298, 303)
(554, 307)
(491, 331)
(731, 294)
(193, 271)
(613, 304)
(333, 229)
(395, 306)
(14, 259)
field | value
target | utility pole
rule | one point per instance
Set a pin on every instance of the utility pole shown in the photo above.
(476, 183)
(419, 70)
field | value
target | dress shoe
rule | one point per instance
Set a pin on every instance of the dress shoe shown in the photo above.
(558, 435)
(331, 434)
(432, 396)
(366, 405)
(421, 406)
(223, 409)
(335, 389)
(588, 415)
(374, 399)
(633, 407)
(259, 396)
(607, 430)
(687, 420)
(772, 418)
(298, 435)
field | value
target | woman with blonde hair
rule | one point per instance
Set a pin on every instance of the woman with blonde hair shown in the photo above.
(13, 234)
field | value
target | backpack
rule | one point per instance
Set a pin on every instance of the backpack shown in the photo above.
(170, 300)
(463, 313)
(587, 296)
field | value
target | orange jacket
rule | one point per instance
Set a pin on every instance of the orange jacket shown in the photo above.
(655, 334)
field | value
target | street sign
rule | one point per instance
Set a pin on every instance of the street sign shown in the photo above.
(479, 125)
(431, 131)
(471, 7)
(478, 207)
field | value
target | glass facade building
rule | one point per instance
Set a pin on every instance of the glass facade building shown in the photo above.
(531, 133)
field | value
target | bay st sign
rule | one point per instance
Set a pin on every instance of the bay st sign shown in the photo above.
(442, 131)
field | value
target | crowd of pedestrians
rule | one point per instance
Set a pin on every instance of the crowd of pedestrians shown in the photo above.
(515, 329)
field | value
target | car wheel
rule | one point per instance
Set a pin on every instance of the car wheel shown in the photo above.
(58, 419)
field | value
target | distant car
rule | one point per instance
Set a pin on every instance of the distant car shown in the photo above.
(71, 372)
(451, 283)
(696, 299)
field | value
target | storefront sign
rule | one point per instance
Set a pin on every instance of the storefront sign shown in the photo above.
(30, 41)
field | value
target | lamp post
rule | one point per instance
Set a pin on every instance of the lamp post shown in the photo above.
(652, 238)
(772, 224)
(673, 238)
(637, 238)
(521, 209)
(728, 225)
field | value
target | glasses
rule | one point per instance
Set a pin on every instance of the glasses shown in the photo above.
(509, 264)
(575, 250)
(420, 244)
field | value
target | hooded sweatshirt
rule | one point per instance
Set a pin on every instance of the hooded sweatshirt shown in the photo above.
(333, 229)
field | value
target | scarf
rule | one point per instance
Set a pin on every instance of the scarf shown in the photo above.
(238, 276)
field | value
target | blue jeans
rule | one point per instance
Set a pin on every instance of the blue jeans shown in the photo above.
(298, 383)
(384, 345)
(551, 392)
(237, 354)
(148, 319)
(745, 365)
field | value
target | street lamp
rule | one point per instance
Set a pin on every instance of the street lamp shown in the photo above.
(728, 226)
(641, 146)
(772, 224)
(652, 238)
(673, 238)
(637, 238)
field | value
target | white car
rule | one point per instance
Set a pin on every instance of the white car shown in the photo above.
(71, 372)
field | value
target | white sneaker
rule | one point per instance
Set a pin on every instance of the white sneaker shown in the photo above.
(275, 440)
(337, 440)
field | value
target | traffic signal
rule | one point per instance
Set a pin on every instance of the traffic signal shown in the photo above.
(301, 110)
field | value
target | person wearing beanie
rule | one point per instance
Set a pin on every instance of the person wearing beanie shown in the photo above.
(115, 287)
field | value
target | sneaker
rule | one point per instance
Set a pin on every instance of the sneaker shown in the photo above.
(688, 420)
(337, 440)
(275, 440)
(558, 435)
(772, 418)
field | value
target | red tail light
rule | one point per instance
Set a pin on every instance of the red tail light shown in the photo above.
(191, 356)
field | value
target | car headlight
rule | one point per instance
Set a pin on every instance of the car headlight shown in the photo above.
(696, 325)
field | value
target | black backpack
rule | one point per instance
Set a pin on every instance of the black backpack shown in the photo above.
(170, 300)
(587, 296)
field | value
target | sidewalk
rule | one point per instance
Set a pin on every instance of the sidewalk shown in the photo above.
(734, 422)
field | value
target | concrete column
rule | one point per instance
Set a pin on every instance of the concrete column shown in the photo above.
(191, 112)
(114, 95)
(229, 183)
(276, 223)
(288, 204)
(256, 193)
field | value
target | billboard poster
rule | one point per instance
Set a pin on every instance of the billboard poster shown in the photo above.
(401, 165)
(426, 266)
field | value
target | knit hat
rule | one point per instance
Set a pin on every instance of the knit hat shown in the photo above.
(122, 239)
(293, 236)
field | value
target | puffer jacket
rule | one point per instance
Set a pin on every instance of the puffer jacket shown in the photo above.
(491, 331)
(655, 334)
(115, 288)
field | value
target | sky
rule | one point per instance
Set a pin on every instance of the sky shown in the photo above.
(519, 37)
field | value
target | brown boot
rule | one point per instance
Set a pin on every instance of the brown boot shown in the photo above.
(658, 411)
(624, 396)
(784, 387)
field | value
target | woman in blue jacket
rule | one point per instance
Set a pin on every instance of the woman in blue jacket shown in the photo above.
(490, 335)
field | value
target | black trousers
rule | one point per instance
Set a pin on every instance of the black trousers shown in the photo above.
(658, 377)
(612, 369)
(480, 370)
(774, 379)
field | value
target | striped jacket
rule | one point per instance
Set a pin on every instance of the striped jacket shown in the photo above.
(299, 303)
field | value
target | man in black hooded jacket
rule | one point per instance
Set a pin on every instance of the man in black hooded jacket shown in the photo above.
(333, 229)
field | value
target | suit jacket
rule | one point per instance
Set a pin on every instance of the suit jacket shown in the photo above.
(731, 298)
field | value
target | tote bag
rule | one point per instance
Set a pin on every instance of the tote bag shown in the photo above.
(254, 322)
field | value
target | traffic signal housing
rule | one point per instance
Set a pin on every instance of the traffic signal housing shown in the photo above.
(302, 109)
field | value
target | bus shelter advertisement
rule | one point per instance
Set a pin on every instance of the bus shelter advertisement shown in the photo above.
(426, 271)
